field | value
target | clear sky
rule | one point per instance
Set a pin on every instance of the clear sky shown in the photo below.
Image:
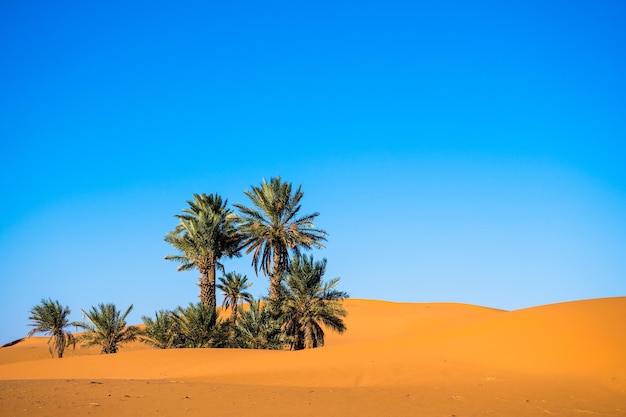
(463, 151)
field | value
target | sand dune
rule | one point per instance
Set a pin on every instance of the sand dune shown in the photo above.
(436, 359)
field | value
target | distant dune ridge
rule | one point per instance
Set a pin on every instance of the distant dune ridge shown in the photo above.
(434, 359)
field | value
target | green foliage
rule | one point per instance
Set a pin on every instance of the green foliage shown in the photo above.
(273, 227)
(163, 332)
(199, 326)
(196, 326)
(206, 232)
(106, 327)
(258, 328)
(234, 286)
(51, 318)
(308, 303)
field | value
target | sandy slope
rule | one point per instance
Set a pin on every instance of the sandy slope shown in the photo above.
(396, 359)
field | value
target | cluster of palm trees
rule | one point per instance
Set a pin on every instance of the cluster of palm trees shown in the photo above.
(275, 233)
(300, 305)
(296, 320)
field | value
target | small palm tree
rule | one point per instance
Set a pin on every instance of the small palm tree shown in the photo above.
(308, 303)
(199, 326)
(258, 328)
(205, 233)
(51, 318)
(107, 328)
(163, 332)
(274, 227)
(234, 286)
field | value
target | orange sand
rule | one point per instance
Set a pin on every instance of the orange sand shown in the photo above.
(397, 359)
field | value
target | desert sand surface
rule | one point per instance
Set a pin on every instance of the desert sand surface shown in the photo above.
(396, 359)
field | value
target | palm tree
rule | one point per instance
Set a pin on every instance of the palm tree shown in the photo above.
(258, 328)
(234, 287)
(205, 233)
(163, 332)
(199, 327)
(107, 328)
(51, 318)
(308, 303)
(274, 227)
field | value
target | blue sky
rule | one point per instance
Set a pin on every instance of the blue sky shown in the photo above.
(457, 151)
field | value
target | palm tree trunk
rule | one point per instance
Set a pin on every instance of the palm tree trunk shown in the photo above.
(277, 276)
(308, 338)
(60, 345)
(206, 282)
(235, 314)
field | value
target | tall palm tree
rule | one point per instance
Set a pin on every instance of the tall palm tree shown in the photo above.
(107, 328)
(274, 227)
(308, 303)
(205, 233)
(234, 286)
(51, 318)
